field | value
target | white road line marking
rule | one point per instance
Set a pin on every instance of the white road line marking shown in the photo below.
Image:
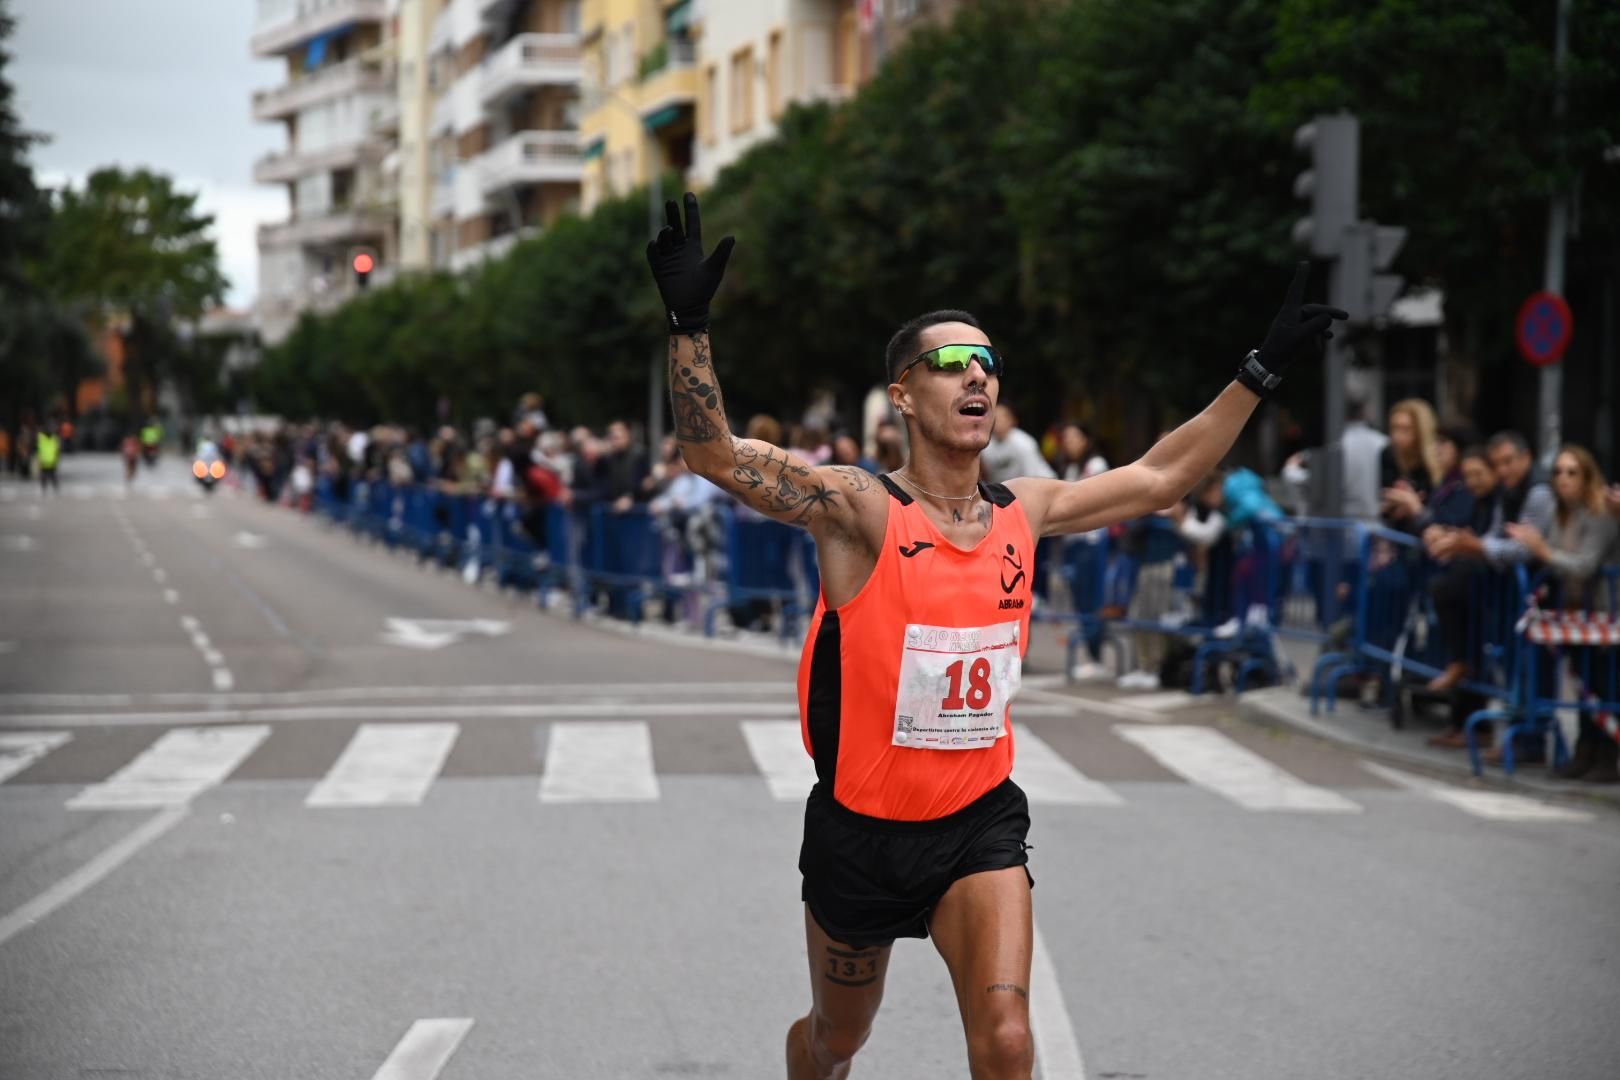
(549, 711)
(1077, 705)
(1494, 805)
(386, 765)
(172, 771)
(424, 1050)
(159, 576)
(213, 657)
(189, 623)
(1057, 1053)
(88, 874)
(20, 749)
(223, 679)
(148, 558)
(1211, 760)
(1166, 701)
(608, 761)
(618, 691)
(170, 596)
(1050, 780)
(777, 747)
(200, 640)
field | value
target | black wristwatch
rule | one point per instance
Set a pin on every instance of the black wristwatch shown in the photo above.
(1256, 377)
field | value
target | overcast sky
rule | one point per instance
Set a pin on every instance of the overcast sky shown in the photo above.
(165, 84)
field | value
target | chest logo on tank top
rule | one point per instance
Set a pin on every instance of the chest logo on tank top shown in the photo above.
(1011, 561)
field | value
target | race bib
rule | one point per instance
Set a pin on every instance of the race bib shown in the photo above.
(955, 685)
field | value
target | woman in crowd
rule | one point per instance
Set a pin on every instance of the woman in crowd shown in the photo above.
(1079, 455)
(1582, 535)
(1450, 503)
(1408, 462)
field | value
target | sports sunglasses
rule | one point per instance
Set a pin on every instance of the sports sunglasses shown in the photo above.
(957, 358)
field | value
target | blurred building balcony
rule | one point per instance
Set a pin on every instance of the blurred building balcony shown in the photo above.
(493, 248)
(529, 61)
(289, 166)
(669, 78)
(384, 118)
(348, 77)
(283, 25)
(533, 157)
(443, 203)
(333, 227)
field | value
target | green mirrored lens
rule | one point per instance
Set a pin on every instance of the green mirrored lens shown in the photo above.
(960, 357)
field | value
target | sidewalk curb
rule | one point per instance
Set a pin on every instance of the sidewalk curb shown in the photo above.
(1282, 707)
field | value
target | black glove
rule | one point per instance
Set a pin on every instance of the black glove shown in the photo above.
(686, 280)
(1297, 331)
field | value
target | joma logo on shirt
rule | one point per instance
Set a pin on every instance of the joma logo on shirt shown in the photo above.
(1011, 603)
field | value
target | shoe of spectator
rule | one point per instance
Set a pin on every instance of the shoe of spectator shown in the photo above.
(1090, 671)
(1228, 629)
(1148, 681)
(1448, 678)
(1452, 739)
(1580, 763)
(1138, 680)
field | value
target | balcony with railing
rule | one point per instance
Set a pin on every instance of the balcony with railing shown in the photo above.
(350, 76)
(289, 165)
(533, 157)
(528, 61)
(283, 25)
(669, 76)
(334, 226)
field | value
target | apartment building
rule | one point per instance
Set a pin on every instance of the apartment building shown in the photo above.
(338, 92)
(501, 139)
(687, 86)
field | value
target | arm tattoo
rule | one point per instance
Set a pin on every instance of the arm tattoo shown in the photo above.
(1013, 987)
(858, 479)
(857, 968)
(694, 394)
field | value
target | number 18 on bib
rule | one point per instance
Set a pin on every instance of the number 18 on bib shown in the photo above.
(955, 685)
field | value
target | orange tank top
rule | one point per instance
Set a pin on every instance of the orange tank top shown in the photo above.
(904, 690)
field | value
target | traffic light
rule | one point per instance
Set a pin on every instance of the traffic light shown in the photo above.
(1329, 185)
(1360, 251)
(363, 261)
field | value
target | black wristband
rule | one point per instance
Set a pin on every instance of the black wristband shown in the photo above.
(1254, 376)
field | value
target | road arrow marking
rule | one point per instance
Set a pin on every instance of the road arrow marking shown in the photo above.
(437, 633)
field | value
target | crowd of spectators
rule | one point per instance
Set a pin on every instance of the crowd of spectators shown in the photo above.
(1471, 504)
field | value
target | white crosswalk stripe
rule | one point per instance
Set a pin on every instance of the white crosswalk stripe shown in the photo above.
(605, 761)
(20, 749)
(778, 751)
(178, 767)
(386, 765)
(1050, 780)
(425, 1049)
(1211, 760)
(1494, 805)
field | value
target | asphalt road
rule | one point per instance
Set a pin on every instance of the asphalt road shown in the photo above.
(276, 803)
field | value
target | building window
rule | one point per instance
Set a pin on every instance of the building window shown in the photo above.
(708, 123)
(742, 91)
(773, 75)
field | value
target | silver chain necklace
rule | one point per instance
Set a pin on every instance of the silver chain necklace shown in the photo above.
(955, 498)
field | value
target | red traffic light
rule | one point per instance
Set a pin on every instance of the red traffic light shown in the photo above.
(364, 263)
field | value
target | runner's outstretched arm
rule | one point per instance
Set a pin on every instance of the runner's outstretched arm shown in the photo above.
(778, 484)
(1179, 460)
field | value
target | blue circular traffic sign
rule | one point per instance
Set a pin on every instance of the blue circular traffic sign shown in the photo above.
(1545, 325)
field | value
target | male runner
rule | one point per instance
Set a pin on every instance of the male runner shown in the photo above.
(914, 828)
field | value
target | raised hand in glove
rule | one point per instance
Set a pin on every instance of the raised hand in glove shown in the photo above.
(1298, 331)
(686, 280)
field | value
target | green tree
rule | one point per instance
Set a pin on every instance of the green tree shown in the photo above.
(131, 243)
(1456, 102)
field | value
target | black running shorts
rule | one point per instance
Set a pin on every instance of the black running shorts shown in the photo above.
(870, 880)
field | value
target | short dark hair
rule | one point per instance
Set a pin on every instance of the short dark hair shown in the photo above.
(1510, 438)
(1475, 451)
(903, 346)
